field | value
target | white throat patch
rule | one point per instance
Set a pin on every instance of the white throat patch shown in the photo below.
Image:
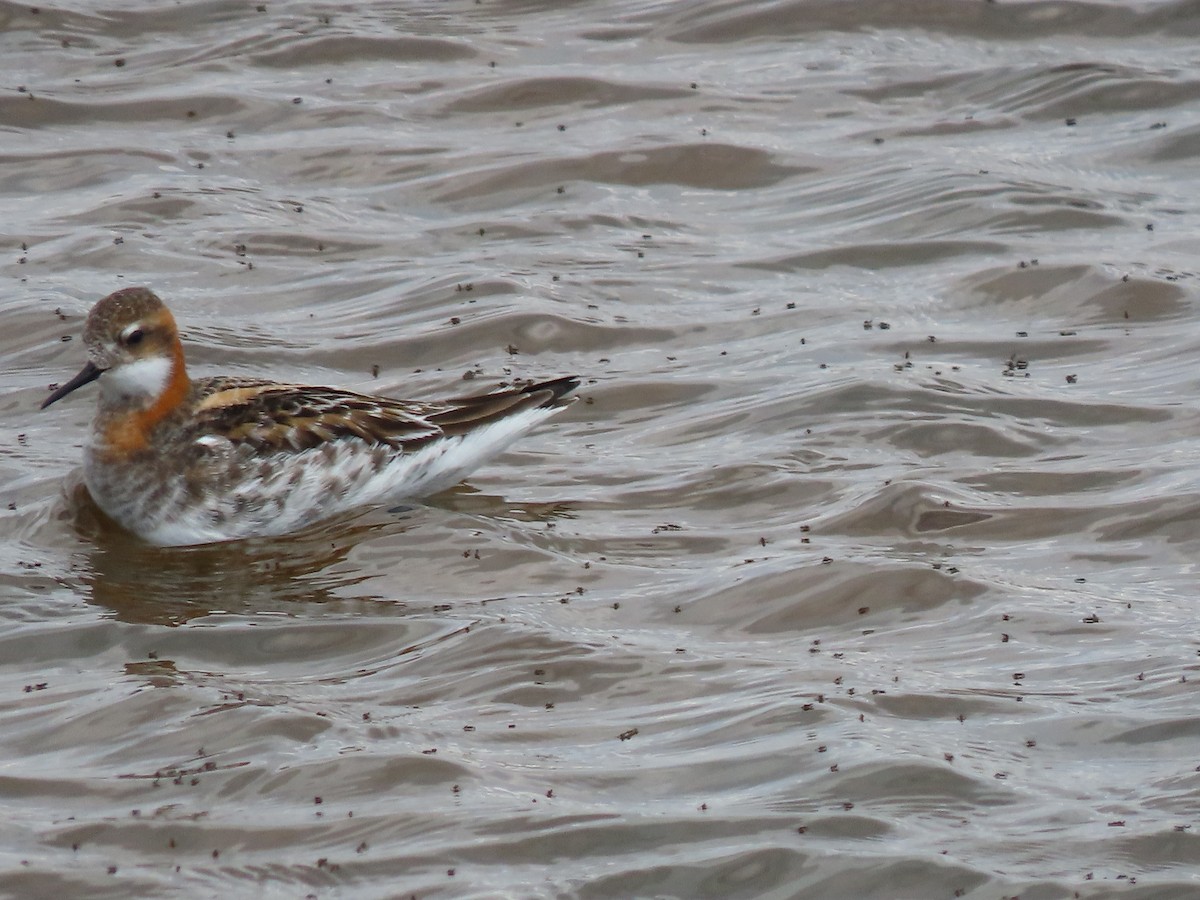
(140, 379)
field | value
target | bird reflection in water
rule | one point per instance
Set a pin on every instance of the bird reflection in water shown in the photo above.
(144, 584)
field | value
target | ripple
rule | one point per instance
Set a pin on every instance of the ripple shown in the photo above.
(874, 529)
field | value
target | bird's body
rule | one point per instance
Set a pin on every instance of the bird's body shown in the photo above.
(181, 461)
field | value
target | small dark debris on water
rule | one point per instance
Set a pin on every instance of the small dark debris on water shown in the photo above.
(1015, 365)
(1070, 122)
(1158, 125)
(1072, 379)
(1149, 226)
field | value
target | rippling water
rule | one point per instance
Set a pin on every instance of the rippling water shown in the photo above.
(866, 568)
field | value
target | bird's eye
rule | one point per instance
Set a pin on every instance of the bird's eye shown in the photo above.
(134, 337)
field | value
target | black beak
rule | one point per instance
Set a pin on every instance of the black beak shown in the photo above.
(87, 375)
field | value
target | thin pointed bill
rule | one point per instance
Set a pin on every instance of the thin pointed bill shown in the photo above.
(87, 375)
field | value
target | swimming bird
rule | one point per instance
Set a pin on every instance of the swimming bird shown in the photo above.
(181, 461)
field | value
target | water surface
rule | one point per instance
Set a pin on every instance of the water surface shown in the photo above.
(864, 568)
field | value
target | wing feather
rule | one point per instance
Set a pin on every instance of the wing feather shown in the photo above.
(272, 416)
(267, 415)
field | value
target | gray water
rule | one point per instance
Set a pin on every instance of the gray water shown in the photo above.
(865, 568)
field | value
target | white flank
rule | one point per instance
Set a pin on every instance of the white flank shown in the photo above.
(139, 379)
(293, 503)
(446, 462)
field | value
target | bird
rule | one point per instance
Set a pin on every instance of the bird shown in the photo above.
(179, 461)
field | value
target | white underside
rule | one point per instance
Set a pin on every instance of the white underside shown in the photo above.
(328, 485)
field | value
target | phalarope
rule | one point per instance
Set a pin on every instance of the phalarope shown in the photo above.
(180, 461)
